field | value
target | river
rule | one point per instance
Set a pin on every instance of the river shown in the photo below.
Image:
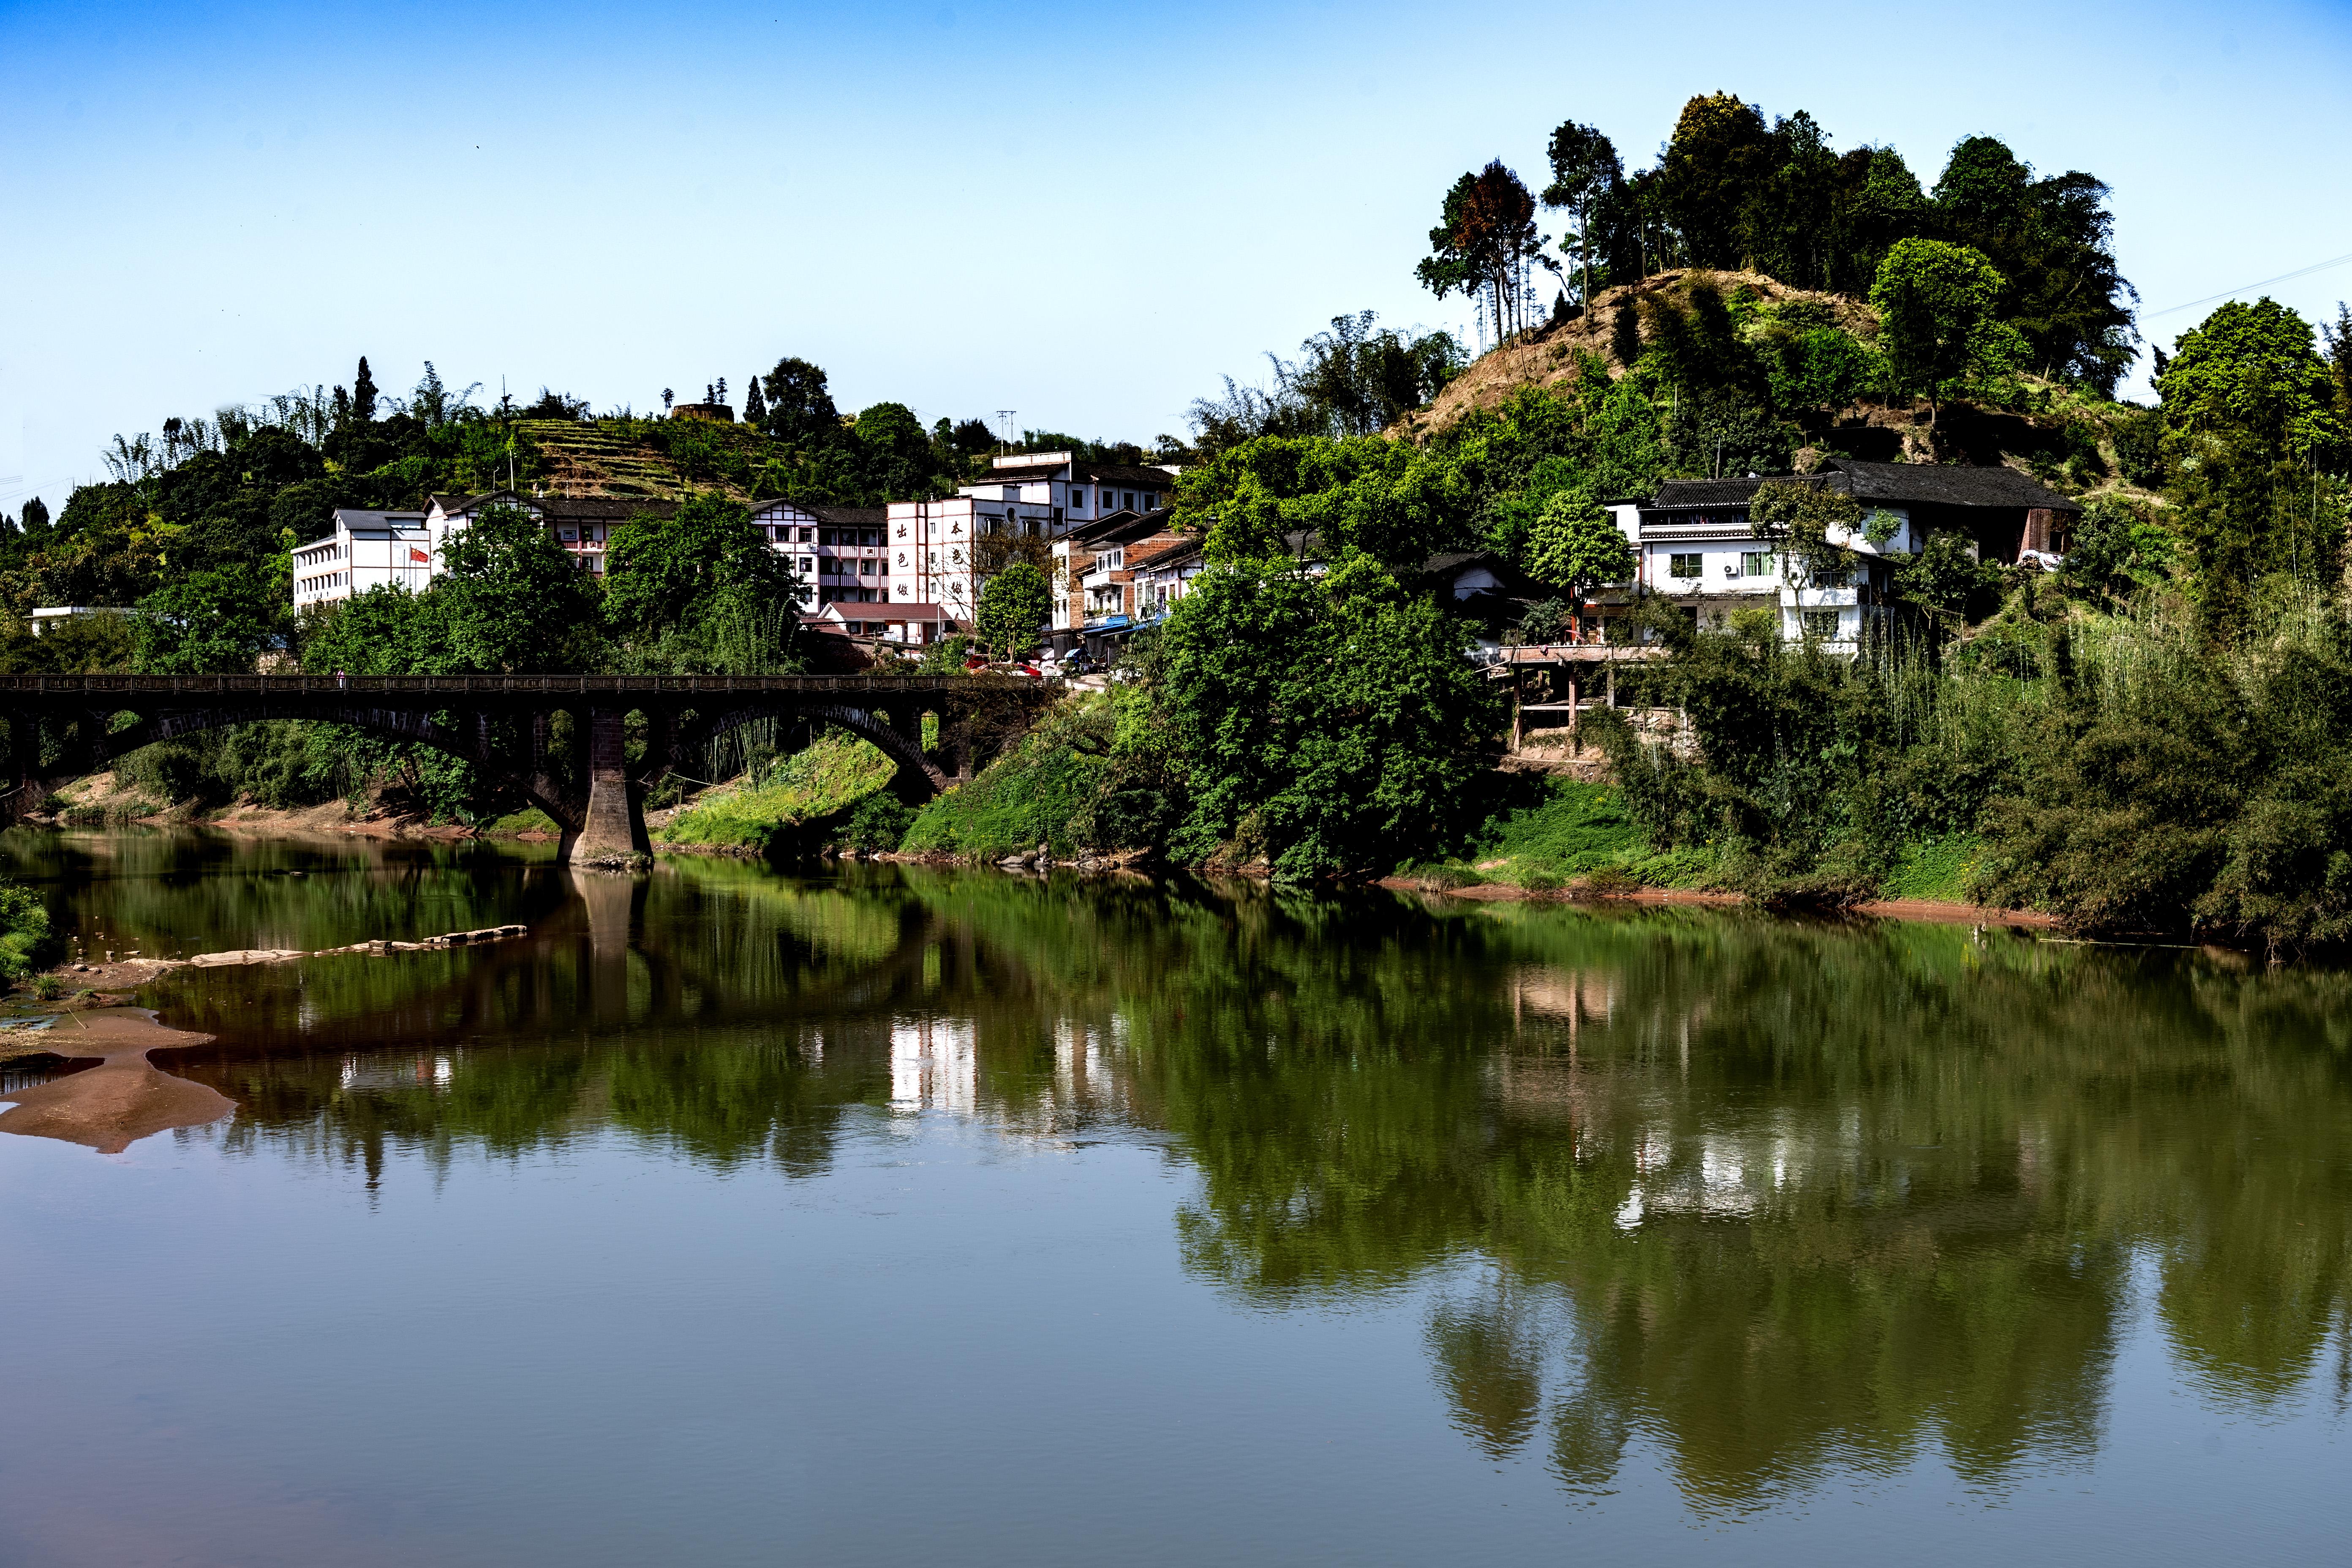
(895, 1216)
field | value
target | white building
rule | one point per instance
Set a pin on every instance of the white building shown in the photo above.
(366, 550)
(1694, 544)
(404, 549)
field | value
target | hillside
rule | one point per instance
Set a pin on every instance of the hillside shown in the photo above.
(605, 458)
(2063, 435)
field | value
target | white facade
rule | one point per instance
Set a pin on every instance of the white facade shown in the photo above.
(366, 550)
(837, 551)
(404, 549)
(1710, 559)
(931, 559)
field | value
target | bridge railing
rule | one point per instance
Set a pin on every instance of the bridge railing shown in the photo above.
(197, 687)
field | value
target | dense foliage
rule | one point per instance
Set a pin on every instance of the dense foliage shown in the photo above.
(1732, 190)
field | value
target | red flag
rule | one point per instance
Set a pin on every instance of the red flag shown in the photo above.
(418, 558)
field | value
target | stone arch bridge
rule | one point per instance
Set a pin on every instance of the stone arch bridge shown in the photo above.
(61, 727)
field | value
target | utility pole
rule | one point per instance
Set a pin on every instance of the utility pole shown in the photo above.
(1004, 417)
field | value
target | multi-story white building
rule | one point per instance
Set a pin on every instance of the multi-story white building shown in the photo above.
(366, 550)
(1044, 495)
(404, 549)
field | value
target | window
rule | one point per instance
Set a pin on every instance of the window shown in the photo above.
(1821, 624)
(824, 537)
(1150, 499)
(808, 536)
(1130, 501)
(1078, 499)
(1758, 563)
(808, 562)
(1688, 566)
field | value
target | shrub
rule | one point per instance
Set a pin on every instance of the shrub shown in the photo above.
(25, 937)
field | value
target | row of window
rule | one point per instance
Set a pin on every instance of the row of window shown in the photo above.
(1752, 564)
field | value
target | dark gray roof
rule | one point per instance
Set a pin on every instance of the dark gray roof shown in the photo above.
(1174, 554)
(1116, 474)
(601, 509)
(1894, 484)
(1119, 527)
(1675, 493)
(1944, 484)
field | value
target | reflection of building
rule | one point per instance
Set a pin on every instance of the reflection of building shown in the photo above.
(933, 1066)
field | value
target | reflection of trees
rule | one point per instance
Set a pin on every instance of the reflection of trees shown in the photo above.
(1771, 1198)
(1788, 1194)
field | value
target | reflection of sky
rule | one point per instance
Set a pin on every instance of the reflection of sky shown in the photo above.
(224, 202)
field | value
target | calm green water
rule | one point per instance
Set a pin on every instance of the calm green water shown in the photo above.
(734, 1217)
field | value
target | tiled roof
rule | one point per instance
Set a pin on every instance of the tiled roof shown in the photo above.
(1946, 484)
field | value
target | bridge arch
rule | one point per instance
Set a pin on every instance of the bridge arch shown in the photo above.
(101, 749)
(918, 780)
(603, 816)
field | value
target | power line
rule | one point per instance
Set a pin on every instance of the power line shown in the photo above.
(2233, 293)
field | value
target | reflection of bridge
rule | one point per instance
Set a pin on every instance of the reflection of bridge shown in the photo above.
(61, 727)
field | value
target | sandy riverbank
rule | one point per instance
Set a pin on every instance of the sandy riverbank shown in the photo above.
(122, 1100)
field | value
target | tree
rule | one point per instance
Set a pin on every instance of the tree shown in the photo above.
(1797, 518)
(1936, 305)
(894, 453)
(1015, 604)
(799, 408)
(363, 395)
(666, 575)
(2049, 238)
(1484, 240)
(514, 602)
(2253, 371)
(1584, 167)
(1717, 164)
(1577, 545)
(1333, 721)
(214, 623)
(755, 407)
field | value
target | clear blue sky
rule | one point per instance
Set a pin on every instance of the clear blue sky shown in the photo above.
(1084, 214)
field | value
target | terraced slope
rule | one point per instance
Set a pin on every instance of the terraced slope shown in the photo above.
(614, 459)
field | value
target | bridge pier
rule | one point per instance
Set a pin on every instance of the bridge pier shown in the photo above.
(613, 826)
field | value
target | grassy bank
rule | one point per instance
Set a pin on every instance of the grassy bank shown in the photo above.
(1576, 833)
(1043, 791)
(839, 772)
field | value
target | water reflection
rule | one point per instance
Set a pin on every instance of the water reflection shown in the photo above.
(1772, 1201)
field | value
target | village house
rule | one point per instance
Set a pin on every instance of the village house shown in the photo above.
(1696, 545)
(1094, 574)
(1165, 576)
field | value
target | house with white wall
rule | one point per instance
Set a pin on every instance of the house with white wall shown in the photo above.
(1695, 544)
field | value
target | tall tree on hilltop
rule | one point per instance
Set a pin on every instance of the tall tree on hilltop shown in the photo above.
(2049, 239)
(1720, 157)
(755, 407)
(799, 408)
(1484, 240)
(2337, 335)
(363, 394)
(1584, 167)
